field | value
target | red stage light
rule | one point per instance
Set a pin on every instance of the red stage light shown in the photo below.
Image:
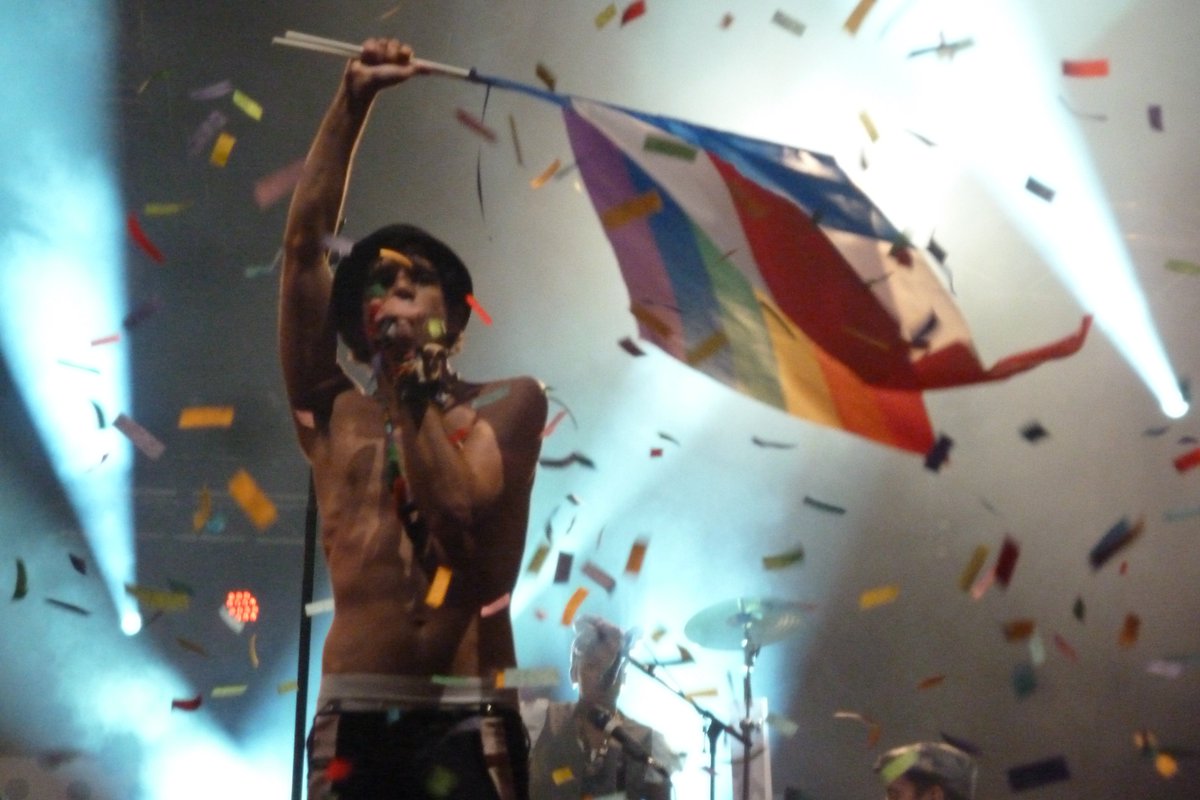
(242, 606)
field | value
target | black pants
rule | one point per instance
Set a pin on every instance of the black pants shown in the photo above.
(418, 754)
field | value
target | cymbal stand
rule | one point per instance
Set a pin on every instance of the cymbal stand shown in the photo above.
(713, 727)
(751, 650)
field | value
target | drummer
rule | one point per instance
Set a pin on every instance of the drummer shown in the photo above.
(579, 752)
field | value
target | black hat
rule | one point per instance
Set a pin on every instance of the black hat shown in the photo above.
(349, 282)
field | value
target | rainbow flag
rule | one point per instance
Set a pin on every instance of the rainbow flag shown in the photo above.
(766, 268)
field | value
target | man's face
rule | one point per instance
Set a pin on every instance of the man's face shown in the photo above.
(904, 789)
(404, 298)
(591, 670)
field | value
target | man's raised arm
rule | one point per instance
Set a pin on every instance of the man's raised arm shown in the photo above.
(307, 333)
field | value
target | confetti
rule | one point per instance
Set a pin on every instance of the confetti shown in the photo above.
(512, 127)
(532, 678)
(553, 424)
(939, 453)
(812, 502)
(1092, 68)
(440, 781)
(637, 555)
(1024, 680)
(475, 124)
(65, 606)
(706, 349)
(630, 347)
(788, 22)
(656, 452)
(144, 311)
(192, 647)
(287, 687)
(635, 208)
(475, 305)
(248, 105)
(855, 20)
(438, 587)
(496, 606)
(879, 596)
(786, 727)
(187, 705)
(1040, 189)
(574, 458)
(769, 444)
(203, 512)
(112, 338)
(205, 417)
(222, 692)
(142, 439)
(212, 91)
(22, 586)
(254, 650)
(163, 209)
(1187, 461)
(1078, 609)
(144, 85)
(936, 251)
(78, 563)
(1037, 650)
(984, 583)
(1038, 773)
(874, 729)
(971, 570)
(1155, 114)
(159, 599)
(707, 692)
(726, 21)
(1117, 538)
(318, 607)
(633, 11)
(546, 76)
(206, 131)
(562, 572)
(562, 775)
(539, 558)
(273, 187)
(1006, 562)
(593, 571)
(251, 499)
(1034, 432)
(1166, 765)
(868, 126)
(568, 615)
(669, 147)
(143, 241)
(545, 175)
(784, 560)
(931, 682)
(1064, 647)
(1128, 636)
(1018, 630)
(222, 147)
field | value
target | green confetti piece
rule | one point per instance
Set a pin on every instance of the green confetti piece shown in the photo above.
(440, 782)
(783, 560)
(287, 687)
(461, 681)
(1183, 267)
(897, 767)
(669, 147)
(247, 104)
(220, 692)
(22, 587)
(437, 328)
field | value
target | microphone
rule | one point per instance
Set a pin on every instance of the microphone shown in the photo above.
(607, 722)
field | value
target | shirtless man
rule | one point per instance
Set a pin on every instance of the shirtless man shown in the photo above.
(427, 478)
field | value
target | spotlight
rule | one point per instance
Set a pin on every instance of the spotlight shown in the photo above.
(131, 623)
(1175, 407)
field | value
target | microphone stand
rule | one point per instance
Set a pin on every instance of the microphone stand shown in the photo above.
(713, 727)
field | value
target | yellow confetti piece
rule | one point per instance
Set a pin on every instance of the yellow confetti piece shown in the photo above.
(972, 569)
(707, 349)
(879, 596)
(163, 209)
(248, 105)
(254, 650)
(437, 588)
(546, 175)
(783, 560)
(606, 16)
(856, 17)
(287, 686)
(868, 125)
(643, 205)
(395, 255)
(256, 505)
(562, 774)
(222, 147)
(709, 692)
(159, 599)
(203, 512)
(898, 766)
(238, 690)
(568, 615)
(539, 558)
(1166, 765)
(205, 417)
(192, 647)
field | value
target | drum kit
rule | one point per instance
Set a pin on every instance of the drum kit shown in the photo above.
(744, 624)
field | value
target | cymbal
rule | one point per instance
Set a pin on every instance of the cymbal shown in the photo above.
(731, 624)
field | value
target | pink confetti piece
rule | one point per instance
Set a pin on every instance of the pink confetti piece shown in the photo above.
(474, 303)
(270, 189)
(593, 571)
(475, 124)
(553, 424)
(496, 606)
(1065, 647)
(206, 132)
(112, 338)
(212, 91)
(142, 439)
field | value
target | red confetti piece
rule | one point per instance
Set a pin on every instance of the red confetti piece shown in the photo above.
(112, 338)
(188, 705)
(475, 305)
(143, 241)
(1065, 648)
(271, 188)
(633, 11)
(1091, 68)
(460, 435)
(637, 554)
(1188, 460)
(931, 681)
(475, 124)
(726, 21)
(1129, 631)
(656, 452)
(1007, 562)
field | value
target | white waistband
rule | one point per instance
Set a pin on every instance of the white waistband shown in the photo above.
(360, 691)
